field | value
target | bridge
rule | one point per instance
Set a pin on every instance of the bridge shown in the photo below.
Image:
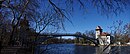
(45, 36)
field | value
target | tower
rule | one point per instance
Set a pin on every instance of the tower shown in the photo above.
(98, 31)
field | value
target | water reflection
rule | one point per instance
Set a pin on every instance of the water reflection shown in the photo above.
(74, 49)
(84, 50)
(116, 50)
(103, 50)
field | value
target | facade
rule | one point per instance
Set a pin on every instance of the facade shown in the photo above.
(103, 37)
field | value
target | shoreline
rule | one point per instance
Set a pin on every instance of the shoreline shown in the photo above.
(79, 44)
(100, 45)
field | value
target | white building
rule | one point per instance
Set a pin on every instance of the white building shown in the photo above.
(103, 37)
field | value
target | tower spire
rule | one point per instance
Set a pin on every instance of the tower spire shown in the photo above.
(98, 31)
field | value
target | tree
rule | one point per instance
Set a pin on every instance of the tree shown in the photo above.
(90, 33)
(14, 11)
(120, 31)
(46, 14)
(103, 6)
(53, 10)
(127, 29)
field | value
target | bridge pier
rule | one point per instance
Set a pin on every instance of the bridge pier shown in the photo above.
(77, 40)
(60, 39)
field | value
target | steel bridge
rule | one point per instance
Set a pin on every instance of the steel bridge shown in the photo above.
(46, 36)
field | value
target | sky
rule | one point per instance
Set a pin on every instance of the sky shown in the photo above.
(91, 19)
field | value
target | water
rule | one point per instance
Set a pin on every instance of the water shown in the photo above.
(74, 49)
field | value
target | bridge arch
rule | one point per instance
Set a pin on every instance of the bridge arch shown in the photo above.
(48, 36)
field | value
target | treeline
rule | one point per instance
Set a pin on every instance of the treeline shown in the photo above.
(66, 41)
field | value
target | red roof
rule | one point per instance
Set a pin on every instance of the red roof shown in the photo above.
(104, 34)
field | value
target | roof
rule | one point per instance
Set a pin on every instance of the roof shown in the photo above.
(104, 34)
(98, 27)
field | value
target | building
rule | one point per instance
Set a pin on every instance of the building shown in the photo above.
(103, 37)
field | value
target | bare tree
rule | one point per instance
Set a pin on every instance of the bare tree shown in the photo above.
(120, 31)
(127, 29)
(45, 14)
(90, 33)
(106, 7)
(15, 10)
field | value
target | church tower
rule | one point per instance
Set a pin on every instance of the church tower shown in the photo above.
(98, 31)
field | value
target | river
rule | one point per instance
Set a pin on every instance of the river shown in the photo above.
(74, 49)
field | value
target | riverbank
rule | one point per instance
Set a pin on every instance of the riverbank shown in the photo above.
(78, 44)
(15, 50)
